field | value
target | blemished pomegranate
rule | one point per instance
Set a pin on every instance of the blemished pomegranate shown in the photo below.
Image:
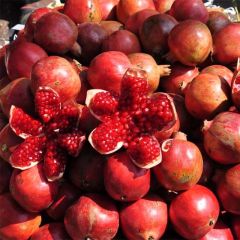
(5, 176)
(194, 212)
(220, 138)
(163, 6)
(15, 222)
(190, 42)
(93, 216)
(150, 218)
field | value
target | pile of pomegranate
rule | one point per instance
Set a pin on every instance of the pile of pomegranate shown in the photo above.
(120, 119)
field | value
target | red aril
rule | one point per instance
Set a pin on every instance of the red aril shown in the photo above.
(123, 180)
(6, 172)
(194, 212)
(51, 231)
(93, 216)
(126, 8)
(58, 74)
(189, 9)
(31, 189)
(15, 222)
(20, 58)
(178, 79)
(190, 42)
(111, 26)
(221, 138)
(226, 49)
(122, 41)
(108, 9)
(150, 218)
(206, 96)
(163, 6)
(236, 226)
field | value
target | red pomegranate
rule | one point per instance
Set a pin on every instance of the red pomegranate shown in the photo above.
(57, 73)
(16, 223)
(110, 77)
(93, 216)
(163, 6)
(235, 87)
(108, 9)
(226, 49)
(123, 180)
(194, 212)
(111, 26)
(236, 226)
(150, 218)
(4, 81)
(181, 166)
(51, 231)
(221, 138)
(207, 95)
(190, 42)
(31, 189)
(20, 58)
(189, 9)
(6, 172)
(83, 10)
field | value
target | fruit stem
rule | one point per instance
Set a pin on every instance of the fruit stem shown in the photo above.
(164, 70)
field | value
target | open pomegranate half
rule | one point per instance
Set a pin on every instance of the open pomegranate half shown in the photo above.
(131, 119)
(236, 86)
(53, 138)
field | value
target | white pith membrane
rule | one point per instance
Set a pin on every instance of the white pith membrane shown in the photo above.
(166, 145)
(32, 164)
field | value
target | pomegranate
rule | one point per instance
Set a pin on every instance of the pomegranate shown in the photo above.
(228, 190)
(235, 87)
(123, 180)
(236, 226)
(181, 166)
(6, 172)
(154, 33)
(154, 71)
(217, 20)
(92, 216)
(108, 9)
(207, 95)
(13, 92)
(226, 44)
(178, 79)
(221, 71)
(66, 196)
(90, 38)
(110, 77)
(220, 232)
(111, 26)
(51, 231)
(135, 21)
(163, 6)
(31, 189)
(126, 8)
(4, 81)
(122, 41)
(194, 212)
(57, 73)
(195, 47)
(150, 218)
(83, 10)
(55, 32)
(189, 9)
(221, 138)
(20, 58)
(16, 223)
(86, 172)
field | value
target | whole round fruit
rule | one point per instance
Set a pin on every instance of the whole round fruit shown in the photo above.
(111, 26)
(163, 6)
(108, 9)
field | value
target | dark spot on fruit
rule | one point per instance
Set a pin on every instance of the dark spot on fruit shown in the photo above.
(4, 148)
(211, 222)
(150, 238)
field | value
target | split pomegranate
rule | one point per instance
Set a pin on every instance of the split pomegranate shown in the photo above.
(93, 216)
(190, 42)
(163, 6)
(150, 218)
(123, 180)
(221, 137)
(206, 96)
(6, 173)
(15, 222)
(194, 212)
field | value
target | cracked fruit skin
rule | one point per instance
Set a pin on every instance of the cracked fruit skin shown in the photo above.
(93, 216)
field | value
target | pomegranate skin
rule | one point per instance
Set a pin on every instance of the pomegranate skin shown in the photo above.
(221, 138)
(163, 6)
(108, 9)
(123, 180)
(190, 42)
(31, 189)
(226, 48)
(236, 226)
(110, 76)
(16, 223)
(51, 231)
(20, 58)
(111, 26)
(93, 216)
(206, 96)
(150, 218)
(57, 73)
(6, 172)
(194, 212)
(181, 166)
